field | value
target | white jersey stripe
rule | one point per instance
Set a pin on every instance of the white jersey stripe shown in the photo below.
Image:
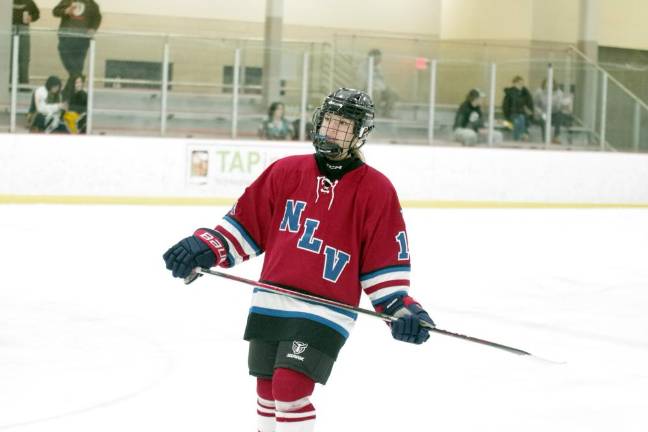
(381, 294)
(238, 259)
(398, 275)
(234, 232)
(265, 302)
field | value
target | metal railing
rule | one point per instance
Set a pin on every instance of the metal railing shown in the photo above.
(211, 86)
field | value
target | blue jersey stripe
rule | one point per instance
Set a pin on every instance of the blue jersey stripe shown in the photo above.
(350, 314)
(390, 269)
(312, 317)
(246, 236)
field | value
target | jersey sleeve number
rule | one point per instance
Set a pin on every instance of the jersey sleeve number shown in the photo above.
(403, 253)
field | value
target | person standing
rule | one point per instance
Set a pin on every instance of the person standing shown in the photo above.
(518, 108)
(80, 20)
(384, 97)
(25, 12)
(541, 103)
(344, 236)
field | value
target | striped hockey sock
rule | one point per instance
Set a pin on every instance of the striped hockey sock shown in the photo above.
(265, 406)
(265, 415)
(295, 416)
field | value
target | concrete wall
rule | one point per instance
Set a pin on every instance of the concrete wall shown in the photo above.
(411, 16)
(555, 20)
(243, 10)
(472, 19)
(621, 22)
(39, 168)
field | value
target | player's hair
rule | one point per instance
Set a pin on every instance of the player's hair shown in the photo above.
(357, 153)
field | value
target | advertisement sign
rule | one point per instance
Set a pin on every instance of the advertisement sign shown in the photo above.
(225, 168)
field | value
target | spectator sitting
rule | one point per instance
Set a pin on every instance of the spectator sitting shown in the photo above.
(276, 127)
(308, 136)
(518, 108)
(541, 103)
(77, 100)
(47, 107)
(469, 126)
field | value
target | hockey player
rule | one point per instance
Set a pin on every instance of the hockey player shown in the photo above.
(330, 226)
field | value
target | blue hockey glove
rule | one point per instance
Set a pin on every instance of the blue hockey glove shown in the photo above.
(203, 249)
(409, 313)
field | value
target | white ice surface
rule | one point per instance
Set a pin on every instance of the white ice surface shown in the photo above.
(96, 336)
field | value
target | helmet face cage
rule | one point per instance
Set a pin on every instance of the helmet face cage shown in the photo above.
(349, 104)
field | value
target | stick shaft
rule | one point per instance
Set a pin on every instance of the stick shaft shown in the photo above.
(298, 295)
(333, 303)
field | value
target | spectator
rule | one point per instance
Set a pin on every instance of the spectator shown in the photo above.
(518, 108)
(47, 107)
(80, 19)
(469, 126)
(77, 99)
(567, 105)
(276, 127)
(308, 129)
(541, 103)
(384, 97)
(25, 12)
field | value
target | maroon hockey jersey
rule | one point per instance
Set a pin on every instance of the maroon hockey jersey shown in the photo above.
(329, 238)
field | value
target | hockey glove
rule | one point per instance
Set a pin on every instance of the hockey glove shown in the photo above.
(408, 327)
(206, 248)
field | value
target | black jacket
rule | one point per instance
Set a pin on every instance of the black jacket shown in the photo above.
(85, 16)
(515, 100)
(21, 6)
(468, 117)
(78, 102)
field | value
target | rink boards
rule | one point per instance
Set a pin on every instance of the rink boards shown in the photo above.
(128, 170)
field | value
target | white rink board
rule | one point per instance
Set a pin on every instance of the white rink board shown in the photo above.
(153, 167)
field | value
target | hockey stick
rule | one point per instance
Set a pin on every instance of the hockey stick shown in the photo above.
(326, 302)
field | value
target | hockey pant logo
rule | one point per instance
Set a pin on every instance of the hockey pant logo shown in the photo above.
(297, 348)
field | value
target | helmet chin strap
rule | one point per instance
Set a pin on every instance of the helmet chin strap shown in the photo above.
(339, 155)
(332, 150)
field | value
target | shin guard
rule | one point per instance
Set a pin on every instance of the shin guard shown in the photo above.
(291, 391)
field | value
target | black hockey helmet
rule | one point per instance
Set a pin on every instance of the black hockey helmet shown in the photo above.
(351, 104)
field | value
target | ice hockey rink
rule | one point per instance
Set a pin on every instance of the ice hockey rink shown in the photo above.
(96, 336)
